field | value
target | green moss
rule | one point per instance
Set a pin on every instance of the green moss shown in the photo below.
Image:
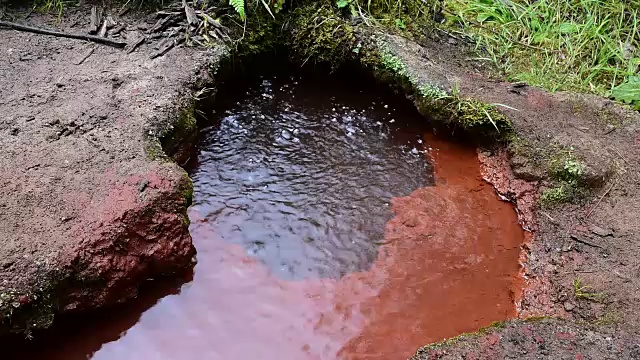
(182, 133)
(153, 149)
(476, 116)
(432, 92)
(608, 318)
(260, 35)
(564, 170)
(563, 165)
(22, 313)
(320, 35)
(558, 194)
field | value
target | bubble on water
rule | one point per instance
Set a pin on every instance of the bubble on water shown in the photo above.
(386, 106)
(419, 141)
(414, 151)
(392, 121)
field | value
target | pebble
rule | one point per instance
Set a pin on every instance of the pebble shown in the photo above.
(569, 306)
(600, 231)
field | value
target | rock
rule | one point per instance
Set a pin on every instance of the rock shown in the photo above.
(524, 169)
(568, 306)
(601, 231)
(87, 220)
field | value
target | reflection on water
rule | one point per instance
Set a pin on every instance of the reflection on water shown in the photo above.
(319, 236)
(302, 175)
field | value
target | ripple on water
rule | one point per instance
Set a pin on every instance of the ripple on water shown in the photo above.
(303, 180)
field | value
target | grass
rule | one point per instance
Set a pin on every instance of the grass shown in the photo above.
(583, 291)
(580, 45)
(49, 6)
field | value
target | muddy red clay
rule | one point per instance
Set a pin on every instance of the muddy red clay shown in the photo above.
(447, 262)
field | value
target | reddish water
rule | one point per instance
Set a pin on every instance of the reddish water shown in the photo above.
(309, 276)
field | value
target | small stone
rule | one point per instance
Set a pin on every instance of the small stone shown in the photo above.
(600, 231)
(14, 131)
(143, 185)
(569, 306)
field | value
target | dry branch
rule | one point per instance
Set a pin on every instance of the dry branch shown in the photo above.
(96, 39)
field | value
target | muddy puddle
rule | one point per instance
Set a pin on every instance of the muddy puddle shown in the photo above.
(330, 224)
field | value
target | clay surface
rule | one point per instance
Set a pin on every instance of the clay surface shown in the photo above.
(85, 213)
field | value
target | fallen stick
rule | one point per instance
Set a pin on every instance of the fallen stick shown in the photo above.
(96, 39)
(86, 56)
(583, 241)
(600, 200)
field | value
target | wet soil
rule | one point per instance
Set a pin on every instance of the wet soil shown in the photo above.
(323, 233)
(85, 213)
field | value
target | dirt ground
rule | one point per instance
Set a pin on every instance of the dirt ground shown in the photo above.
(86, 214)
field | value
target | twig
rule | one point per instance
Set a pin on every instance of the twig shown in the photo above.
(582, 241)
(621, 157)
(600, 200)
(86, 56)
(166, 47)
(549, 217)
(96, 19)
(448, 33)
(490, 119)
(131, 46)
(35, 30)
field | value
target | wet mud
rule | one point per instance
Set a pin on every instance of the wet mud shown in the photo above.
(330, 223)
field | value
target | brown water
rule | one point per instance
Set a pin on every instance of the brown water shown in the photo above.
(321, 235)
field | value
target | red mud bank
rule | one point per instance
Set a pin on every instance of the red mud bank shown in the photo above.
(449, 264)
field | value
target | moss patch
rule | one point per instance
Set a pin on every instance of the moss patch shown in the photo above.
(565, 171)
(179, 137)
(318, 34)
